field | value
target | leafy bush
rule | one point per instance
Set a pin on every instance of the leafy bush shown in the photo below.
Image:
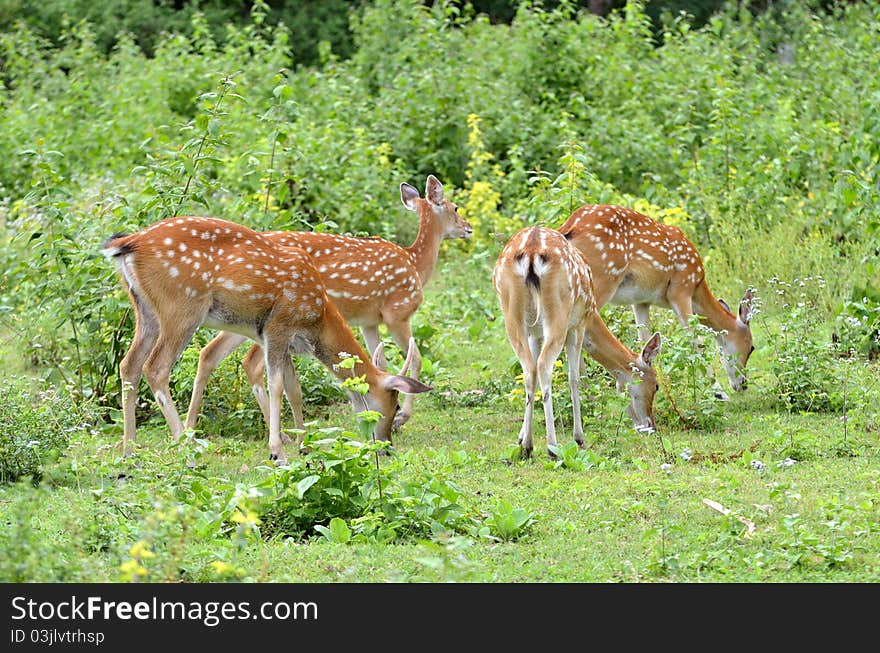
(340, 490)
(858, 324)
(35, 428)
(689, 376)
(807, 377)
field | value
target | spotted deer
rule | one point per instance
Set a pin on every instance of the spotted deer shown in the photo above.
(546, 294)
(372, 281)
(186, 272)
(639, 261)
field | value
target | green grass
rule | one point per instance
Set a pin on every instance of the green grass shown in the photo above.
(625, 519)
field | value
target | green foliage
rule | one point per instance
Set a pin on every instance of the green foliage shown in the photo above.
(446, 559)
(506, 522)
(807, 376)
(522, 122)
(689, 375)
(336, 479)
(339, 489)
(571, 456)
(147, 21)
(337, 532)
(756, 133)
(35, 427)
(858, 324)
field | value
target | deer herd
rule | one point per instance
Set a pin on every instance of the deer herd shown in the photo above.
(294, 292)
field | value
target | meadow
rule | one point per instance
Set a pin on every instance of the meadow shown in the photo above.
(757, 134)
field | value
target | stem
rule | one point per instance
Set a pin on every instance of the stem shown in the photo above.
(663, 545)
(375, 453)
(271, 169)
(845, 420)
(197, 158)
(79, 367)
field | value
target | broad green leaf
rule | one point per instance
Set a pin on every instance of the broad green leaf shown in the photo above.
(303, 486)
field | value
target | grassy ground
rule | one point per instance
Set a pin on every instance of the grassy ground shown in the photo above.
(625, 518)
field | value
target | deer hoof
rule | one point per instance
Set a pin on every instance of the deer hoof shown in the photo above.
(525, 452)
(551, 454)
(720, 395)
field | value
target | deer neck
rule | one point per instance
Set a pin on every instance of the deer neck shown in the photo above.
(336, 337)
(608, 351)
(713, 313)
(426, 247)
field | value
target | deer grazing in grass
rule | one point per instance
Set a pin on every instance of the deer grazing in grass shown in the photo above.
(185, 272)
(546, 295)
(639, 261)
(371, 280)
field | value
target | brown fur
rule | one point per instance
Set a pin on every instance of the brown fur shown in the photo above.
(546, 293)
(183, 272)
(639, 261)
(395, 278)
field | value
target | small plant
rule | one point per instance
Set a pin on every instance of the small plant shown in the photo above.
(807, 378)
(336, 532)
(35, 427)
(571, 456)
(857, 323)
(505, 522)
(686, 383)
(446, 557)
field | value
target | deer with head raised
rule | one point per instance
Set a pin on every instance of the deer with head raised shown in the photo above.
(546, 294)
(639, 261)
(185, 272)
(371, 280)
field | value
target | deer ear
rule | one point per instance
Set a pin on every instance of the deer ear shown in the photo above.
(434, 191)
(377, 355)
(746, 305)
(724, 304)
(405, 385)
(409, 356)
(652, 348)
(408, 195)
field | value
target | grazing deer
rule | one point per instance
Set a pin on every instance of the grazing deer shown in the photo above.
(372, 281)
(181, 273)
(639, 261)
(546, 295)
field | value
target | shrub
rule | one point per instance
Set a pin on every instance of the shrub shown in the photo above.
(858, 323)
(35, 427)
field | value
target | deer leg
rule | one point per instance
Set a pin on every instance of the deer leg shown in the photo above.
(275, 359)
(170, 344)
(523, 352)
(553, 344)
(643, 320)
(573, 345)
(254, 366)
(371, 338)
(401, 333)
(293, 392)
(131, 368)
(210, 357)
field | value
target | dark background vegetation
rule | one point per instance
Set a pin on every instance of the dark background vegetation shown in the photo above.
(310, 21)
